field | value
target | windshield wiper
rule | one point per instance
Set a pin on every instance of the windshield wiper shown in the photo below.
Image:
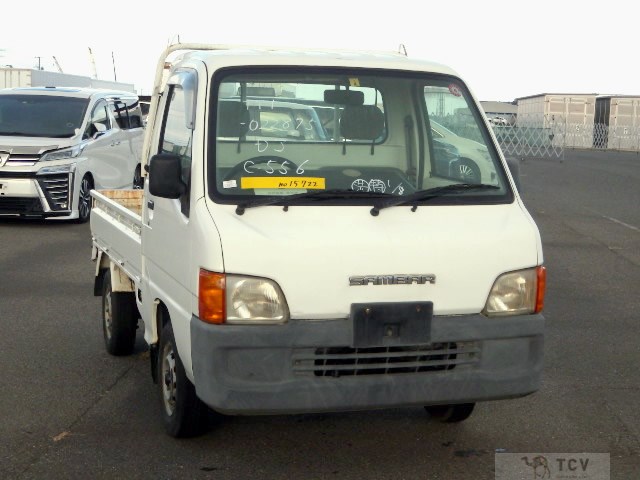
(436, 192)
(316, 194)
(16, 134)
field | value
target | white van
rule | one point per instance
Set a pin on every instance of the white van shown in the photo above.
(56, 144)
(280, 268)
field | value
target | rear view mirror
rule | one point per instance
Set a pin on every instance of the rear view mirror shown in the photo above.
(165, 179)
(344, 97)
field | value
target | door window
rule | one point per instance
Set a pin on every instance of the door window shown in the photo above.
(177, 137)
(99, 121)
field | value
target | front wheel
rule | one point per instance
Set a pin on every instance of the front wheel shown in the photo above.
(84, 199)
(450, 413)
(467, 171)
(183, 413)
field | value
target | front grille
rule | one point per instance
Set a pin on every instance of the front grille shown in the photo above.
(56, 189)
(22, 160)
(17, 174)
(347, 361)
(20, 206)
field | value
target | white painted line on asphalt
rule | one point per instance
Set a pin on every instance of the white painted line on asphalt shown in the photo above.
(619, 222)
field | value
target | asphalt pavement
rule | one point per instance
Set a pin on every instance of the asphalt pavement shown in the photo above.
(69, 410)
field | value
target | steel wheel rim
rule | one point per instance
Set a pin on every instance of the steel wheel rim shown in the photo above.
(84, 203)
(169, 381)
(108, 319)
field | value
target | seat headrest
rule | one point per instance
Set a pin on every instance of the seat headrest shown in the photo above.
(361, 122)
(233, 119)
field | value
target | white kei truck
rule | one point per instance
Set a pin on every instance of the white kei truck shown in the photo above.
(304, 242)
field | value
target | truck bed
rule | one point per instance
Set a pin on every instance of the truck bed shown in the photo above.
(116, 224)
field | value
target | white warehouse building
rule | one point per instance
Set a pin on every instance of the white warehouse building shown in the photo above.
(26, 77)
(573, 112)
(584, 120)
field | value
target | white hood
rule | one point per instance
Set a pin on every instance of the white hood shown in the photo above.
(311, 251)
(33, 145)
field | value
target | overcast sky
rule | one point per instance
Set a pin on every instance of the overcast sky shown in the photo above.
(503, 49)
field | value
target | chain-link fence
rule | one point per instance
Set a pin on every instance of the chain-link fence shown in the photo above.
(532, 137)
(547, 136)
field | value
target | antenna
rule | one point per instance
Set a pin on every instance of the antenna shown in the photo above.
(55, 60)
(94, 72)
(113, 59)
(403, 50)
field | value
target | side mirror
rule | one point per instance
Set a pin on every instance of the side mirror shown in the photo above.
(100, 130)
(165, 179)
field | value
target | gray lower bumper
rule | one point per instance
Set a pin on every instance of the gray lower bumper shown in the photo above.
(271, 369)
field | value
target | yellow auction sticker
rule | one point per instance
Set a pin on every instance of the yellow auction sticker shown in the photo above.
(313, 183)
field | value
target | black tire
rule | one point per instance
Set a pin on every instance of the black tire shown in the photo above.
(84, 199)
(450, 413)
(183, 413)
(119, 319)
(138, 179)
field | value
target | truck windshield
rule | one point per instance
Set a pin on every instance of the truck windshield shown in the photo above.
(286, 133)
(41, 115)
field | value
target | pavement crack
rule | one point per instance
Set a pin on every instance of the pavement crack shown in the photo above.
(627, 439)
(68, 431)
(617, 251)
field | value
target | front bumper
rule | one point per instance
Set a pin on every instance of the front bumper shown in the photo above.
(29, 194)
(309, 366)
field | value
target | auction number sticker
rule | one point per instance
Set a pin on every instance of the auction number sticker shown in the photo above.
(312, 183)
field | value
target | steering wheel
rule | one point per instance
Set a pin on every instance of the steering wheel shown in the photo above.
(256, 161)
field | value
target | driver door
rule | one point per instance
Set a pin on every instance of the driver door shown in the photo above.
(167, 236)
(103, 161)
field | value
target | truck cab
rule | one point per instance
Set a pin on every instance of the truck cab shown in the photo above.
(284, 267)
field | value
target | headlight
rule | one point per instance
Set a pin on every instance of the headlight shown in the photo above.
(56, 169)
(63, 154)
(484, 153)
(255, 300)
(517, 293)
(240, 300)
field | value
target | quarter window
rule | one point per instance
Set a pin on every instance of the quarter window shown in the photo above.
(127, 113)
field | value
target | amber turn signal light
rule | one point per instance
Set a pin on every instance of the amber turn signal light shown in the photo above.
(211, 297)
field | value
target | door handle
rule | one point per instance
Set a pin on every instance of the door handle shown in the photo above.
(115, 143)
(150, 205)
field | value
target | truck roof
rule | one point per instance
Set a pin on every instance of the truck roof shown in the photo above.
(257, 55)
